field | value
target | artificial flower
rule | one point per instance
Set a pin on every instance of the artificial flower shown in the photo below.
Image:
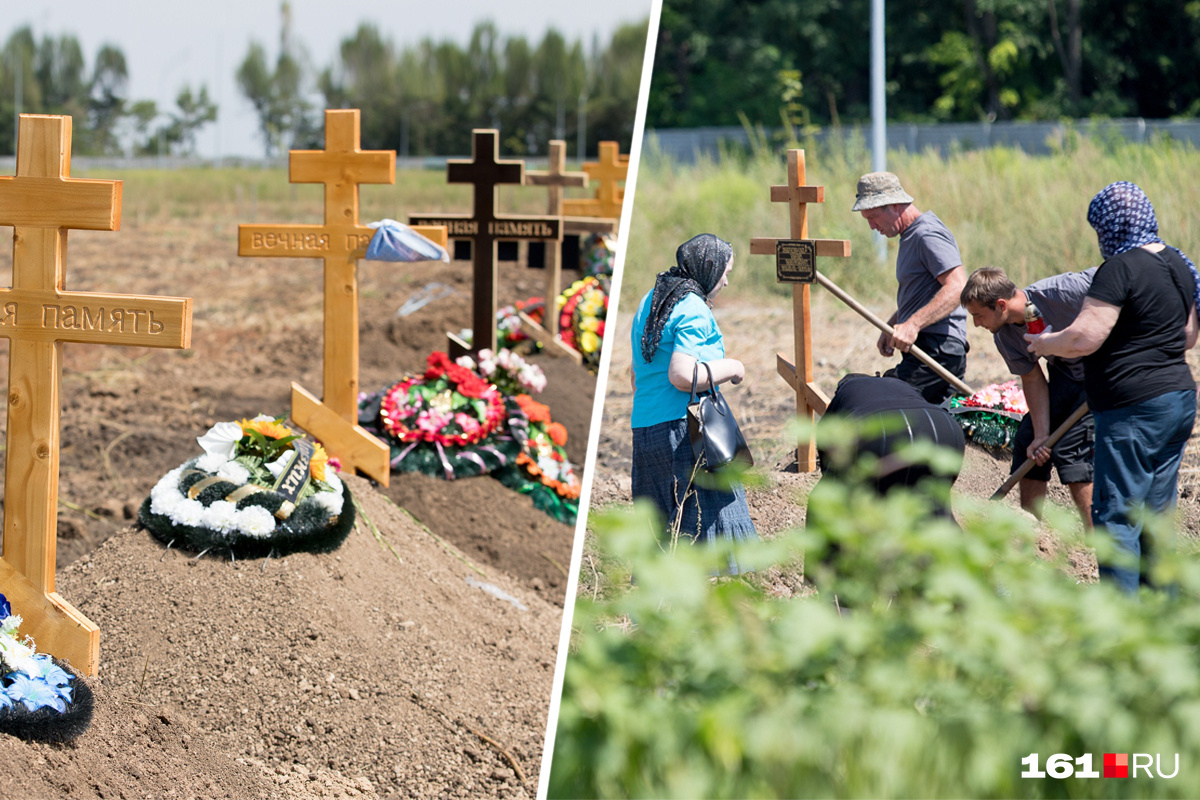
(255, 521)
(211, 462)
(221, 515)
(234, 472)
(267, 426)
(188, 512)
(222, 439)
(34, 693)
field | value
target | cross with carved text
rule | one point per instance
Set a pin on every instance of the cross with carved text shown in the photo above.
(810, 400)
(484, 227)
(341, 241)
(37, 315)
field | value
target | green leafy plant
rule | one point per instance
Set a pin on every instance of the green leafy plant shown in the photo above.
(947, 657)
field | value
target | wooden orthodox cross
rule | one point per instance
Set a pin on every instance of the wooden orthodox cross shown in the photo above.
(341, 241)
(37, 315)
(555, 178)
(484, 227)
(608, 172)
(795, 261)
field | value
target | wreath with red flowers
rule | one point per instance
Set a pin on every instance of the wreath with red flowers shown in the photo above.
(448, 404)
(447, 421)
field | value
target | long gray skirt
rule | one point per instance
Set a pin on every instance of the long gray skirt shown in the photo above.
(662, 471)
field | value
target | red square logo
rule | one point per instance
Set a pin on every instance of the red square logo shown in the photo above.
(1116, 765)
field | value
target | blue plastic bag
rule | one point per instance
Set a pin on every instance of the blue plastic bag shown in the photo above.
(395, 241)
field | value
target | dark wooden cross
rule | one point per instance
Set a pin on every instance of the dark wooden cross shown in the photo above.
(609, 171)
(810, 400)
(555, 178)
(42, 202)
(341, 241)
(484, 227)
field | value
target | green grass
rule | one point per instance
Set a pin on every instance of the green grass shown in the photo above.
(1026, 214)
(265, 195)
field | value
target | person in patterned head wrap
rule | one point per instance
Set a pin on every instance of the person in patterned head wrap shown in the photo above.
(1136, 325)
(673, 331)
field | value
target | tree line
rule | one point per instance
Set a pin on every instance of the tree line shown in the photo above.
(770, 62)
(418, 100)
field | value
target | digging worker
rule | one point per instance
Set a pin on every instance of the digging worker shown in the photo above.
(930, 277)
(995, 303)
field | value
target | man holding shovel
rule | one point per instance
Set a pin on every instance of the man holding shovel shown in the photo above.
(995, 303)
(930, 276)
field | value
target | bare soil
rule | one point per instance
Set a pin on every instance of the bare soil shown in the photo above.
(377, 670)
(755, 330)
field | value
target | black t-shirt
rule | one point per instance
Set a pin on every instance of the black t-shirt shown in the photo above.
(1143, 356)
(863, 395)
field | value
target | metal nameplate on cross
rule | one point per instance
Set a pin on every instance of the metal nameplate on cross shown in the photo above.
(810, 400)
(608, 172)
(340, 242)
(795, 261)
(484, 227)
(42, 202)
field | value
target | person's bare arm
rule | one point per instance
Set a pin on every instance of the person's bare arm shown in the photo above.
(723, 369)
(1082, 337)
(1037, 396)
(940, 306)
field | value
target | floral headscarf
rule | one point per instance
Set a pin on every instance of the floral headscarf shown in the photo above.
(699, 266)
(1124, 219)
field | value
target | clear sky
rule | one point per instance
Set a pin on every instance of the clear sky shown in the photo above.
(168, 44)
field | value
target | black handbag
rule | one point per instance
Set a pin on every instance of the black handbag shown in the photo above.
(712, 428)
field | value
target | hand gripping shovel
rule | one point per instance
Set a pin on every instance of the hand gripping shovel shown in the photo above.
(1059, 432)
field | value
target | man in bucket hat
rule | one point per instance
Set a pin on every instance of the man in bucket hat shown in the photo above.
(930, 278)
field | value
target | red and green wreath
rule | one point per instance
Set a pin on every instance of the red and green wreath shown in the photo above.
(446, 421)
(542, 469)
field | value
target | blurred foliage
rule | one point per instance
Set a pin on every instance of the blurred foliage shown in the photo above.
(1026, 214)
(948, 656)
(422, 99)
(950, 60)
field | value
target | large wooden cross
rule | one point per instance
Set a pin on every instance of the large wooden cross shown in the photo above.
(796, 264)
(555, 178)
(37, 315)
(608, 172)
(341, 241)
(484, 227)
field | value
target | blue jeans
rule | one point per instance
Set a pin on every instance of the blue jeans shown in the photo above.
(1138, 452)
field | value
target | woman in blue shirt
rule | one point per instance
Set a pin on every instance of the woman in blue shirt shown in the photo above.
(673, 330)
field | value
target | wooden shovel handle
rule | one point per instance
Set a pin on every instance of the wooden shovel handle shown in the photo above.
(1059, 432)
(945, 374)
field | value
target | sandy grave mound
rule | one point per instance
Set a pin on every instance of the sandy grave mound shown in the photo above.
(392, 667)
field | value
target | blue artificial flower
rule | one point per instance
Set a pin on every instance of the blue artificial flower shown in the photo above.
(53, 675)
(5, 608)
(5, 700)
(35, 693)
(50, 672)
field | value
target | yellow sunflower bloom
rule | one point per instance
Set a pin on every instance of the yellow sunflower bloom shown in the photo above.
(267, 427)
(316, 466)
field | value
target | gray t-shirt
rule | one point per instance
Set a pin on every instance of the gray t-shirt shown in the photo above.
(927, 249)
(1059, 298)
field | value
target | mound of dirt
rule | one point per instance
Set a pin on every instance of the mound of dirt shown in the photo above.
(366, 671)
(393, 667)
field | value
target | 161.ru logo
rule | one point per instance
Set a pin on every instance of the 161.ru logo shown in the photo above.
(1116, 765)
